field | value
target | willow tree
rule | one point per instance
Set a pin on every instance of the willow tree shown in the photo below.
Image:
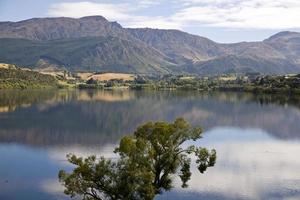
(147, 161)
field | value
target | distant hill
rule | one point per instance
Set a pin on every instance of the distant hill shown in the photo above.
(95, 44)
(178, 45)
(288, 44)
(244, 64)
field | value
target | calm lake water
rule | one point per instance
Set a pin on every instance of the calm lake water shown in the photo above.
(256, 138)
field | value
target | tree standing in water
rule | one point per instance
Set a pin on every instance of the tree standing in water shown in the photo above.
(147, 161)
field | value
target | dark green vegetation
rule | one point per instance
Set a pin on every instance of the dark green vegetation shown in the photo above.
(110, 84)
(256, 84)
(247, 83)
(22, 79)
(95, 44)
(18, 78)
(274, 84)
(147, 162)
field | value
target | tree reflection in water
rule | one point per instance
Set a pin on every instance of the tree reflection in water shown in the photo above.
(47, 118)
(256, 136)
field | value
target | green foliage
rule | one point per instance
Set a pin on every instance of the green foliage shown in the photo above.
(91, 81)
(148, 160)
(249, 83)
(22, 79)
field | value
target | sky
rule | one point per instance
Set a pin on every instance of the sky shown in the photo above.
(223, 21)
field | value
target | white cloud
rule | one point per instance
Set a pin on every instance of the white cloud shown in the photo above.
(263, 14)
(250, 14)
(148, 3)
(153, 22)
(249, 165)
(81, 9)
(123, 13)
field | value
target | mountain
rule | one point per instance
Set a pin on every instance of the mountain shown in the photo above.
(244, 64)
(61, 28)
(89, 54)
(177, 44)
(95, 44)
(89, 43)
(287, 43)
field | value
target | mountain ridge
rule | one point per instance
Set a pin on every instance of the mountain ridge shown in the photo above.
(94, 43)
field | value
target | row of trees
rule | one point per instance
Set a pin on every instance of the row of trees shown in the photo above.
(249, 82)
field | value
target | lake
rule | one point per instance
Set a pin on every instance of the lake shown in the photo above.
(256, 138)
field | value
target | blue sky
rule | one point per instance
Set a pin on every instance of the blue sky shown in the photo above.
(219, 20)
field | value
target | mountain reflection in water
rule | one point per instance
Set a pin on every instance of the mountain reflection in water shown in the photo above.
(256, 137)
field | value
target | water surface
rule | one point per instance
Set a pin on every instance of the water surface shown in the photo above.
(256, 138)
